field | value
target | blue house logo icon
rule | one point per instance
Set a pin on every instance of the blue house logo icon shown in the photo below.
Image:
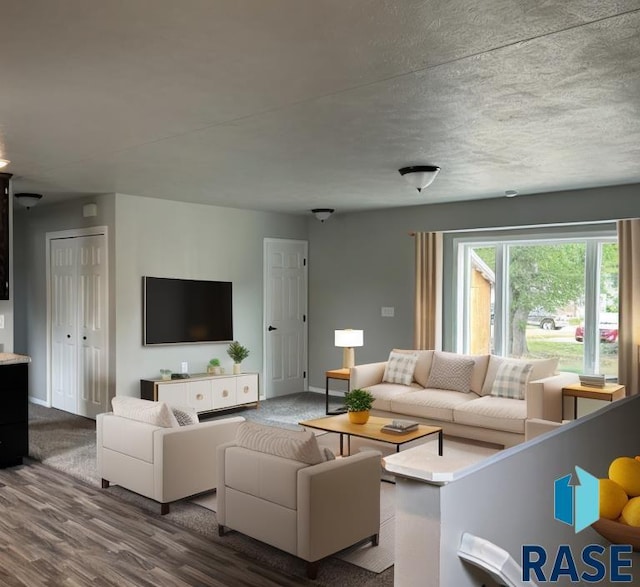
(577, 505)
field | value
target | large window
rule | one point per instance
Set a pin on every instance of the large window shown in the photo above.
(539, 296)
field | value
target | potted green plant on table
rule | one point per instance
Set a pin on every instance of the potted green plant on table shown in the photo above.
(214, 366)
(238, 353)
(358, 403)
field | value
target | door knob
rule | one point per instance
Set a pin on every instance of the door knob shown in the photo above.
(271, 328)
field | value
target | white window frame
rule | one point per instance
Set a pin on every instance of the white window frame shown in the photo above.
(456, 317)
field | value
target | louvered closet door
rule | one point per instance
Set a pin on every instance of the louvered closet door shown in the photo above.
(79, 314)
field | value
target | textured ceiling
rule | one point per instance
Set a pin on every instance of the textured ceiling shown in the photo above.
(289, 105)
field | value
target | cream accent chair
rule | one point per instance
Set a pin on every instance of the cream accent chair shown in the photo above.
(310, 511)
(163, 464)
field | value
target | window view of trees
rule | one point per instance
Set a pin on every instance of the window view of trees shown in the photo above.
(547, 303)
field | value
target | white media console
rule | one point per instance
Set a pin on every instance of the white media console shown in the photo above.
(204, 392)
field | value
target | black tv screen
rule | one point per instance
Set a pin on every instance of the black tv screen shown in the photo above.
(186, 310)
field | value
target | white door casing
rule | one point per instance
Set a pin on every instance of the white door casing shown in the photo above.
(285, 316)
(78, 321)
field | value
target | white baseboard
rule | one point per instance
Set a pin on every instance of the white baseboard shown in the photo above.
(40, 402)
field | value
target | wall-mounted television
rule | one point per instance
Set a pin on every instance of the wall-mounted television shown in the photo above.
(181, 311)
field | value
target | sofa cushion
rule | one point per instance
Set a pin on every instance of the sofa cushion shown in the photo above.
(142, 410)
(263, 475)
(451, 371)
(541, 368)
(438, 404)
(297, 445)
(400, 368)
(423, 365)
(385, 392)
(496, 413)
(511, 380)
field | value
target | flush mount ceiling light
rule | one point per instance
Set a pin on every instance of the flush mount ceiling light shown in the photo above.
(4, 163)
(322, 213)
(28, 200)
(419, 176)
(510, 193)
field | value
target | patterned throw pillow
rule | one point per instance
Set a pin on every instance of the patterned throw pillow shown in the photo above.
(450, 372)
(400, 368)
(185, 416)
(511, 380)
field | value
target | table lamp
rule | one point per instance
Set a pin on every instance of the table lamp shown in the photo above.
(348, 339)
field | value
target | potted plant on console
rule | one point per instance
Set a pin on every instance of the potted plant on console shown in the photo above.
(358, 403)
(238, 353)
(214, 367)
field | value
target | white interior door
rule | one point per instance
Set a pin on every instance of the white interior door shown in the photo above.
(63, 324)
(78, 324)
(93, 387)
(285, 303)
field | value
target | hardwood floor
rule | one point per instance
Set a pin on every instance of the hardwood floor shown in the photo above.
(57, 531)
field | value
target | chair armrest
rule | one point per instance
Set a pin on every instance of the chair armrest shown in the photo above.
(338, 504)
(185, 457)
(544, 396)
(366, 375)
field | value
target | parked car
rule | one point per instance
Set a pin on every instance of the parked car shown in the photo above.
(547, 320)
(608, 328)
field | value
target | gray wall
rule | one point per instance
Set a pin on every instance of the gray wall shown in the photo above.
(508, 499)
(360, 262)
(31, 286)
(161, 238)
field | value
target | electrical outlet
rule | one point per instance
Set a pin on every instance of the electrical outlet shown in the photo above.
(185, 367)
(388, 312)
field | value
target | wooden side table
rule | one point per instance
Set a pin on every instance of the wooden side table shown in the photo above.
(344, 375)
(609, 393)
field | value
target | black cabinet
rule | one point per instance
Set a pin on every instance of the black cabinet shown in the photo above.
(14, 415)
(4, 235)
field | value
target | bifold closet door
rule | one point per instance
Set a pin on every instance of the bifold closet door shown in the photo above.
(79, 296)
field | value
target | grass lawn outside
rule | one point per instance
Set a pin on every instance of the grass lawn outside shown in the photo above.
(545, 344)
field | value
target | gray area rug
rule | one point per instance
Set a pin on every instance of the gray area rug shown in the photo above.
(68, 443)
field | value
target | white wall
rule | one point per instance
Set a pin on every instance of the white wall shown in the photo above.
(509, 499)
(360, 262)
(162, 238)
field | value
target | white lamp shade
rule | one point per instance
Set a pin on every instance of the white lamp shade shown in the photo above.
(349, 338)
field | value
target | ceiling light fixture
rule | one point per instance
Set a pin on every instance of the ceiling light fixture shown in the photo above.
(510, 193)
(419, 176)
(28, 200)
(4, 163)
(322, 213)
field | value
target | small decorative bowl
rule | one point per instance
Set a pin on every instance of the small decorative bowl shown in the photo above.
(618, 533)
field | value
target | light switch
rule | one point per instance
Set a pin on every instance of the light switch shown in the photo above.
(388, 311)
(185, 367)
(1, 320)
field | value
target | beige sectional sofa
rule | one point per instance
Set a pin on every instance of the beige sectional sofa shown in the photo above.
(479, 407)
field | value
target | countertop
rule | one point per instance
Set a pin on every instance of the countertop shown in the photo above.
(13, 359)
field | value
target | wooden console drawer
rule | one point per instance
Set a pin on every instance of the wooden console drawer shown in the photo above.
(224, 392)
(246, 389)
(200, 395)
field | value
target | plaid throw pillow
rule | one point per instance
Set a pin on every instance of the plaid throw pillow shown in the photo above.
(511, 380)
(400, 368)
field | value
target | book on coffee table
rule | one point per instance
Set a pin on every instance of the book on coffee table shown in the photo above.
(400, 426)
